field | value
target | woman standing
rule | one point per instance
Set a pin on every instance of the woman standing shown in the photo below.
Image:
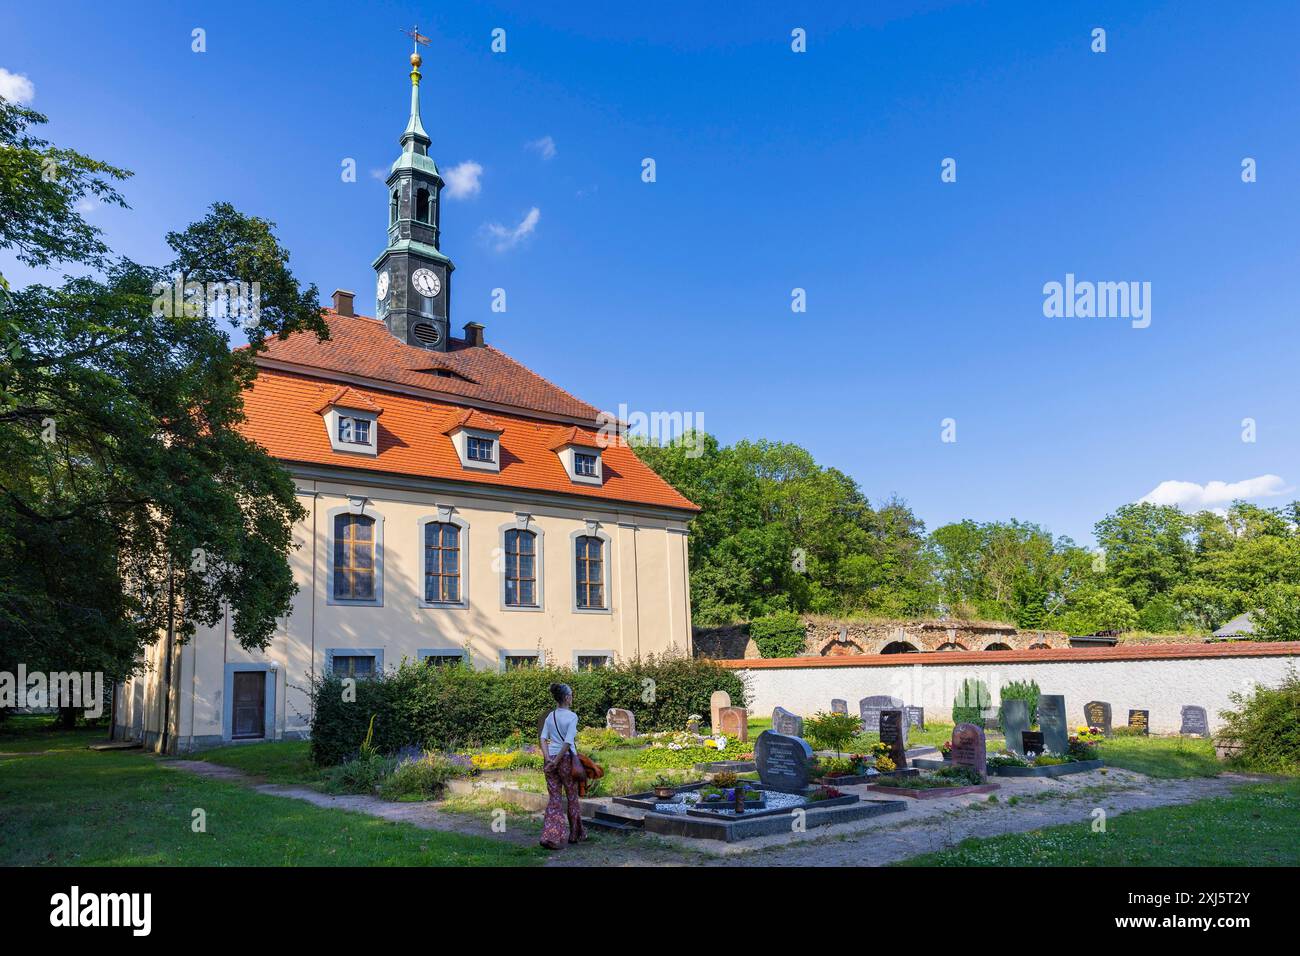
(560, 749)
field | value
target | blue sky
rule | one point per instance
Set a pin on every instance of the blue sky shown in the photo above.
(777, 170)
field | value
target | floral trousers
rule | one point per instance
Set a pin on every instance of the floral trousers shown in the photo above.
(560, 787)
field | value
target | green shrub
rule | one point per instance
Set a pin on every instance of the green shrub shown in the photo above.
(1267, 725)
(971, 702)
(456, 708)
(1124, 730)
(361, 774)
(779, 635)
(832, 731)
(422, 778)
(602, 738)
(1020, 690)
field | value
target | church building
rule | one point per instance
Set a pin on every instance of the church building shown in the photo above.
(461, 509)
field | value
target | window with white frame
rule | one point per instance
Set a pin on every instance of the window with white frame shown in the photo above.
(354, 431)
(442, 563)
(480, 449)
(585, 464)
(521, 568)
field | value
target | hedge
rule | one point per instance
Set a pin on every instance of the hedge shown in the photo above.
(779, 635)
(445, 708)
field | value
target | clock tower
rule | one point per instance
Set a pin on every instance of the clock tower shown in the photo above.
(413, 287)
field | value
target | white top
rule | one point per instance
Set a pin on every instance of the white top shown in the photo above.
(560, 728)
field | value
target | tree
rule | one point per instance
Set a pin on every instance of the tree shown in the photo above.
(130, 504)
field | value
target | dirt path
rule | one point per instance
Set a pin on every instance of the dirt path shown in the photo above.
(923, 827)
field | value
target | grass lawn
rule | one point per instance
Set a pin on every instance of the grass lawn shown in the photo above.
(1258, 825)
(283, 761)
(1165, 757)
(27, 734)
(125, 808)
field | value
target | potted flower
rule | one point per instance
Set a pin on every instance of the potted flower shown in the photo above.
(663, 787)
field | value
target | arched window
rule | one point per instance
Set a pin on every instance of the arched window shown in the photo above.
(898, 647)
(441, 563)
(422, 206)
(590, 571)
(354, 558)
(392, 207)
(521, 568)
(998, 647)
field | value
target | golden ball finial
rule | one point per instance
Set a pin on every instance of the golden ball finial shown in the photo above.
(415, 60)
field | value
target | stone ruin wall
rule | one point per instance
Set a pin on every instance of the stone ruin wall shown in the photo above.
(846, 638)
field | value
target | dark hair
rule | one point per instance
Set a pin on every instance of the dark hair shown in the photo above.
(560, 691)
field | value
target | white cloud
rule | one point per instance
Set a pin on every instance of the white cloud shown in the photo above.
(380, 173)
(544, 147)
(86, 205)
(1214, 494)
(463, 180)
(16, 88)
(506, 237)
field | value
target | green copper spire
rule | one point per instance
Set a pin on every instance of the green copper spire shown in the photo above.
(415, 139)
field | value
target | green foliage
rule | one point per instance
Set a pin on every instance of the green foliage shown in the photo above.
(362, 774)
(452, 708)
(603, 738)
(1267, 724)
(1020, 690)
(1277, 618)
(663, 758)
(779, 635)
(971, 702)
(832, 731)
(420, 778)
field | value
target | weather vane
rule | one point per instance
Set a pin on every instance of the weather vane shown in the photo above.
(415, 34)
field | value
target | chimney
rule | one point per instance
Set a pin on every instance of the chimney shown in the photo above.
(473, 335)
(343, 301)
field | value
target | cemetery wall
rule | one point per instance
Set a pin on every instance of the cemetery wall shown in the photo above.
(1158, 679)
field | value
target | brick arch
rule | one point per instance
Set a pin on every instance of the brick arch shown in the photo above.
(997, 646)
(951, 646)
(899, 647)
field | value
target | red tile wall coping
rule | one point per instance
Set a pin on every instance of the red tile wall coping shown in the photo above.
(1054, 655)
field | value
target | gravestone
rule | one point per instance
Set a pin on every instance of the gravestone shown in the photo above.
(915, 716)
(1015, 721)
(733, 722)
(621, 721)
(1195, 721)
(893, 733)
(784, 763)
(718, 700)
(1096, 713)
(1051, 721)
(970, 749)
(1140, 720)
(786, 723)
(869, 709)
(1031, 742)
(692, 726)
(839, 706)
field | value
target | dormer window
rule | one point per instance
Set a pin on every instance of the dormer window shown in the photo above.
(352, 421)
(477, 440)
(580, 453)
(354, 431)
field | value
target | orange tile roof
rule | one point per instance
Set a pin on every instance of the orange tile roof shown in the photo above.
(582, 437)
(363, 347)
(280, 411)
(473, 418)
(350, 398)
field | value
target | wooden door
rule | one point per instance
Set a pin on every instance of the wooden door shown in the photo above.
(250, 704)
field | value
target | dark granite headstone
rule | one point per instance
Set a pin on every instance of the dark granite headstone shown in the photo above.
(893, 733)
(1096, 713)
(783, 762)
(1140, 720)
(733, 722)
(621, 721)
(915, 716)
(869, 709)
(839, 706)
(1031, 742)
(1051, 721)
(717, 700)
(786, 723)
(1015, 721)
(969, 749)
(1195, 721)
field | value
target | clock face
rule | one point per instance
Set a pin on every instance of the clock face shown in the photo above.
(381, 290)
(426, 283)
